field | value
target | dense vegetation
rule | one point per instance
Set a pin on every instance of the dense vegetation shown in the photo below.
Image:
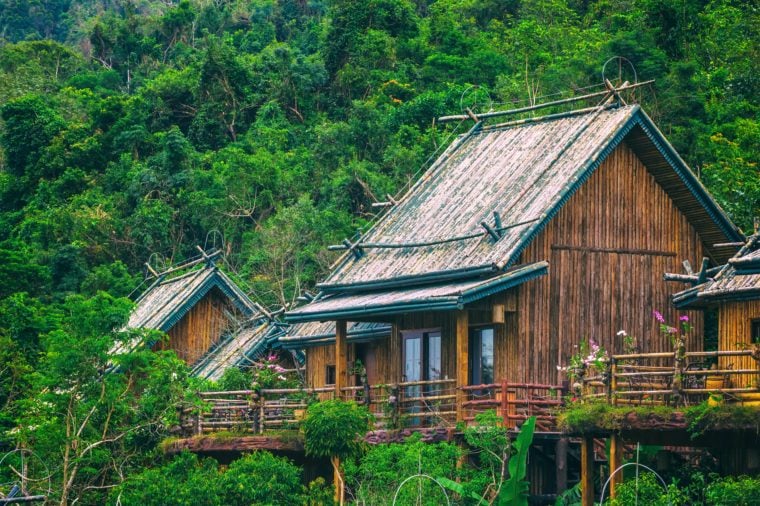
(131, 128)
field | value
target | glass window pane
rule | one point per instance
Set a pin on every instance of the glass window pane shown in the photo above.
(486, 355)
(434, 356)
(413, 359)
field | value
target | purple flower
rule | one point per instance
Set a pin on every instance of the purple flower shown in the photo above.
(672, 330)
(658, 316)
(684, 318)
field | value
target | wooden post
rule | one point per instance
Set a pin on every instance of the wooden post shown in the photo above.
(262, 413)
(612, 398)
(341, 358)
(587, 471)
(504, 403)
(616, 460)
(463, 359)
(560, 459)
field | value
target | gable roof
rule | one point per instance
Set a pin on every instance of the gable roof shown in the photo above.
(166, 301)
(524, 171)
(240, 349)
(738, 280)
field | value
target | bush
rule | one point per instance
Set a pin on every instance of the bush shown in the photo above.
(730, 491)
(375, 477)
(184, 480)
(335, 428)
(262, 478)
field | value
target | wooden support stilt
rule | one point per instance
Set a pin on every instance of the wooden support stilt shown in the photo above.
(462, 340)
(587, 471)
(616, 460)
(560, 460)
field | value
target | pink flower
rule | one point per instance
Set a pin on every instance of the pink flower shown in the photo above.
(672, 330)
(684, 318)
(658, 316)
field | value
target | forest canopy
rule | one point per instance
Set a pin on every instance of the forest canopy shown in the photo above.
(141, 129)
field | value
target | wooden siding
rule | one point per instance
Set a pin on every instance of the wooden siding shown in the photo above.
(388, 353)
(734, 327)
(200, 328)
(608, 249)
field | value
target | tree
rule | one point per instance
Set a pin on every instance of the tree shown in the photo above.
(335, 429)
(93, 413)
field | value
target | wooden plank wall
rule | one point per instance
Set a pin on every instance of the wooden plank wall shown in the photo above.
(200, 328)
(734, 327)
(608, 248)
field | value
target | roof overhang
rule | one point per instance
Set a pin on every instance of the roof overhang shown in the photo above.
(360, 335)
(438, 297)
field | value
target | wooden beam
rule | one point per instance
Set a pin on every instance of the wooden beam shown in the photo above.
(616, 460)
(560, 459)
(341, 357)
(587, 471)
(462, 333)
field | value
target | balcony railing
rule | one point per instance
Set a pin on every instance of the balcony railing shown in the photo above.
(515, 402)
(676, 379)
(400, 405)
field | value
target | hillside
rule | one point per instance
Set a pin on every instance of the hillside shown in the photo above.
(135, 131)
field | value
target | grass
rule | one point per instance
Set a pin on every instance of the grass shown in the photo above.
(601, 417)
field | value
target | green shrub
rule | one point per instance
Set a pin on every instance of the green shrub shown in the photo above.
(185, 480)
(730, 491)
(335, 428)
(262, 479)
(374, 478)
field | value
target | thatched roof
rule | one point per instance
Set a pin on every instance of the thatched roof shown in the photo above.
(239, 350)
(442, 297)
(166, 301)
(511, 179)
(524, 172)
(738, 280)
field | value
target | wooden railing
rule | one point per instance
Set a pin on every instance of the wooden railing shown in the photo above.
(515, 402)
(249, 411)
(676, 379)
(409, 404)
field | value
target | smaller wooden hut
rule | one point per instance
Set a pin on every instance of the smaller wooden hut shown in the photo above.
(211, 323)
(734, 292)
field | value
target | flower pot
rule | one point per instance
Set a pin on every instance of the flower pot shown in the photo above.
(716, 382)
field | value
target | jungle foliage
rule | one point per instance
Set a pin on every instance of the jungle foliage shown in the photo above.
(136, 128)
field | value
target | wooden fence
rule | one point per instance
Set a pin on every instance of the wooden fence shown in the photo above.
(678, 378)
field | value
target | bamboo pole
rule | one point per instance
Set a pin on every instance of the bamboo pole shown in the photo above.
(587, 471)
(495, 114)
(462, 355)
(616, 460)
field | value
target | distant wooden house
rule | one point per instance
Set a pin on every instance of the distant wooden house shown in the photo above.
(520, 241)
(734, 291)
(210, 322)
(319, 337)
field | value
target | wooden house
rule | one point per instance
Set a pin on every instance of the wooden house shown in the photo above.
(521, 240)
(734, 293)
(319, 339)
(210, 322)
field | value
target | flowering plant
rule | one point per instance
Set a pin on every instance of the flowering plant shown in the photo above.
(269, 374)
(675, 333)
(590, 354)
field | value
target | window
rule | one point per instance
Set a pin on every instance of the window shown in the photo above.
(422, 355)
(330, 375)
(755, 332)
(481, 356)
